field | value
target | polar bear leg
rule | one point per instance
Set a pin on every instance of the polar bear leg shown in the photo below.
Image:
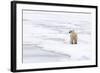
(75, 41)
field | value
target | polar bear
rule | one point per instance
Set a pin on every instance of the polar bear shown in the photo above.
(73, 37)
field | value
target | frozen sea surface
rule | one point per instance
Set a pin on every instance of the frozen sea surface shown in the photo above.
(56, 51)
(39, 54)
(46, 37)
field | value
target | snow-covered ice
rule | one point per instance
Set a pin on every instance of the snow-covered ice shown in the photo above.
(46, 37)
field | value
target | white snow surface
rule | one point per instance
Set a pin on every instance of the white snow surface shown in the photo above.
(46, 37)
